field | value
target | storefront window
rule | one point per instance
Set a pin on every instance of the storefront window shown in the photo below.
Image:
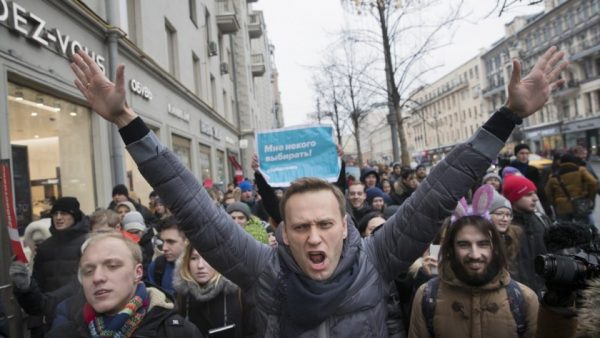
(182, 148)
(205, 162)
(51, 152)
(220, 179)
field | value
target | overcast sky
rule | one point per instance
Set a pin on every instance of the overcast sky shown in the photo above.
(302, 30)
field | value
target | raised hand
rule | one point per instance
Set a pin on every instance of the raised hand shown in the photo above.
(528, 95)
(106, 98)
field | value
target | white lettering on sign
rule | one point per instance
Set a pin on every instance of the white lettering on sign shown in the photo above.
(33, 27)
(178, 112)
(139, 89)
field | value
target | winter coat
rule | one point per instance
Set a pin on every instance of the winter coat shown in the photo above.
(257, 268)
(160, 321)
(57, 258)
(207, 306)
(578, 182)
(477, 312)
(534, 227)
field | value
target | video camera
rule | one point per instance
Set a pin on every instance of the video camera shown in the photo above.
(575, 256)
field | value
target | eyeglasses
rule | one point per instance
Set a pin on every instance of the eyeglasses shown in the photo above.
(506, 215)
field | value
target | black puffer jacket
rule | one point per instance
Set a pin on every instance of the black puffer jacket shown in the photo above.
(56, 261)
(532, 244)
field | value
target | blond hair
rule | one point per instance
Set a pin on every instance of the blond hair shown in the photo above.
(184, 271)
(134, 248)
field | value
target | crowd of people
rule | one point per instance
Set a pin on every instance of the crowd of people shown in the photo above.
(396, 252)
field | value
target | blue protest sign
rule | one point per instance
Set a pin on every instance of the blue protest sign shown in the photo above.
(287, 154)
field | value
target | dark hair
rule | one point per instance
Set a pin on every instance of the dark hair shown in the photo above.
(364, 221)
(312, 184)
(405, 174)
(168, 223)
(447, 253)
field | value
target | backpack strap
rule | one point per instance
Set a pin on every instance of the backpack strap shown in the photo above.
(517, 306)
(160, 264)
(428, 303)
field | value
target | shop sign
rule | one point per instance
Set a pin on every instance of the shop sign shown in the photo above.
(230, 141)
(138, 88)
(178, 113)
(582, 125)
(34, 28)
(206, 128)
(542, 133)
(212, 131)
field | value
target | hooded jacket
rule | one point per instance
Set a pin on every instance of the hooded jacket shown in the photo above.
(57, 258)
(477, 312)
(206, 306)
(533, 229)
(160, 321)
(578, 182)
(257, 269)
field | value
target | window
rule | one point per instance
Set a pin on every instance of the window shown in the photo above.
(132, 20)
(51, 143)
(197, 75)
(221, 178)
(205, 162)
(207, 24)
(193, 12)
(182, 148)
(171, 48)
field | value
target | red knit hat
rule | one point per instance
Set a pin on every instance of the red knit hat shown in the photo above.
(516, 186)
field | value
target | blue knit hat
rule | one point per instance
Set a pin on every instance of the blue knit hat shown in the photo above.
(245, 186)
(374, 192)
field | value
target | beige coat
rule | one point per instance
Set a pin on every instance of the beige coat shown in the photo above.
(464, 311)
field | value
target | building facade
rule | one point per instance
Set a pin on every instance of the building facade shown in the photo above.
(447, 111)
(199, 72)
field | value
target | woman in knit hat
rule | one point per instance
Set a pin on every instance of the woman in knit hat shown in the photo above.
(501, 216)
(494, 180)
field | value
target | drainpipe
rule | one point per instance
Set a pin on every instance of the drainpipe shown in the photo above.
(113, 35)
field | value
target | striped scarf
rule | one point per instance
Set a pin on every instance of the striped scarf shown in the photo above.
(124, 323)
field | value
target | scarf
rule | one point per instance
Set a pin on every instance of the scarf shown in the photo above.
(307, 303)
(124, 323)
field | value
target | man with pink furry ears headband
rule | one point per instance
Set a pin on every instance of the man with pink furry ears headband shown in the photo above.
(322, 279)
(474, 293)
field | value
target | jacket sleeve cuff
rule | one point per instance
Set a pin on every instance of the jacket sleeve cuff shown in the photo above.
(486, 143)
(134, 131)
(145, 148)
(500, 126)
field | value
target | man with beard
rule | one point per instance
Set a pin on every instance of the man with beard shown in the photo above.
(474, 295)
(421, 173)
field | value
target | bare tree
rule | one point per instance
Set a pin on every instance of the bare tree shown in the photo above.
(326, 85)
(349, 96)
(402, 56)
(503, 6)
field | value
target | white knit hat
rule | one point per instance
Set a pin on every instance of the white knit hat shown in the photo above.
(133, 220)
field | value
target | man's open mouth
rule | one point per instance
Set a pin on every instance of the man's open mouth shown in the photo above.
(316, 257)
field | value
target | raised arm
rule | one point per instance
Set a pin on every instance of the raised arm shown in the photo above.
(406, 235)
(224, 244)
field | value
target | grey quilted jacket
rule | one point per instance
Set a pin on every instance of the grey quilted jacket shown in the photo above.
(256, 268)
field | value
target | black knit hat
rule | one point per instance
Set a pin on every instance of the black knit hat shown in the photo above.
(69, 205)
(120, 189)
(520, 147)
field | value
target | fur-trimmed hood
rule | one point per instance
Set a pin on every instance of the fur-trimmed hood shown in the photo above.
(589, 316)
(201, 293)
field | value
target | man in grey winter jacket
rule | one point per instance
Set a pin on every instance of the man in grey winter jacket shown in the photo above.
(323, 280)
